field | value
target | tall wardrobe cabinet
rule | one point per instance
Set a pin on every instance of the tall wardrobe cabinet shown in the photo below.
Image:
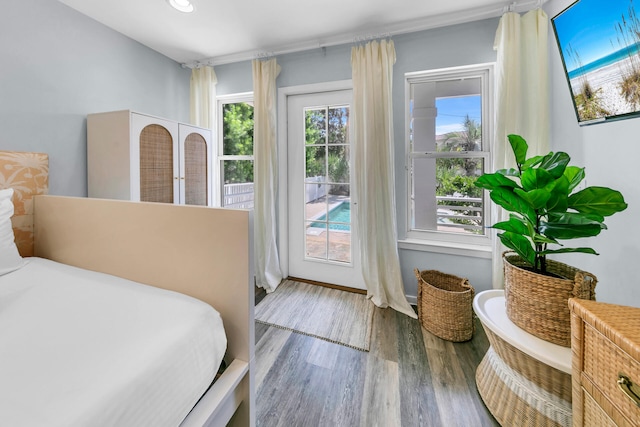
(134, 156)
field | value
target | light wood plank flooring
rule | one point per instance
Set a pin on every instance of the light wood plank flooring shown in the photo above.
(408, 378)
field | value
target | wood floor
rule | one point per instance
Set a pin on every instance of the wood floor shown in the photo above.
(408, 378)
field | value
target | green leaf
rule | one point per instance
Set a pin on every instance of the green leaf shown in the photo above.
(557, 203)
(509, 172)
(506, 198)
(536, 160)
(559, 186)
(567, 250)
(570, 225)
(533, 179)
(537, 199)
(520, 244)
(574, 175)
(519, 147)
(597, 200)
(555, 163)
(558, 216)
(490, 181)
(559, 189)
(515, 225)
(565, 231)
(540, 239)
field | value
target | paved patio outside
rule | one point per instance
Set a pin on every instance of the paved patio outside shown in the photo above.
(319, 241)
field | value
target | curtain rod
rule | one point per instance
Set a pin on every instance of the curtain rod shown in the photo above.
(427, 23)
(370, 37)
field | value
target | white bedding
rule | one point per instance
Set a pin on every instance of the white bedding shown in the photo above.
(79, 348)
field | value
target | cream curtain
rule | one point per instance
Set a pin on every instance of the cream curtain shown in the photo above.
(522, 99)
(372, 124)
(267, 263)
(203, 96)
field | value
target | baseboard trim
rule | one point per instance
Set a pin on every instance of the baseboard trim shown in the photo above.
(328, 285)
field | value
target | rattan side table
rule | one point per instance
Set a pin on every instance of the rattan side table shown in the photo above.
(522, 379)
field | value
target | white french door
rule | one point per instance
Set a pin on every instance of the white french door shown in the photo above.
(322, 238)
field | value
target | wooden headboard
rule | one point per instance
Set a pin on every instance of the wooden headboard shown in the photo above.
(28, 175)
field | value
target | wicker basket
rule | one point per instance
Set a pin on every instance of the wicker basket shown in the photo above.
(445, 305)
(539, 304)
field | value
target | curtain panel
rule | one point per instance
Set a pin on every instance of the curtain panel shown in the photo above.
(267, 262)
(522, 100)
(375, 210)
(203, 96)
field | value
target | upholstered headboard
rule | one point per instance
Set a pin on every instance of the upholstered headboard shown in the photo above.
(28, 175)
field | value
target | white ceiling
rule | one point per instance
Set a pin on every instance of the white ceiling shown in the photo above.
(222, 31)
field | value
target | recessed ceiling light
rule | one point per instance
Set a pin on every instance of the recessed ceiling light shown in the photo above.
(182, 5)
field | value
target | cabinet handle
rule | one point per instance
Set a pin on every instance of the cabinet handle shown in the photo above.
(182, 177)
(627, 387)
(175, 177)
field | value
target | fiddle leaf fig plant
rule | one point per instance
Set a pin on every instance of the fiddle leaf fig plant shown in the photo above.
(543, 206)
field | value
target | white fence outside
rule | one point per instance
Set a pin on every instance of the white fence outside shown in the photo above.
(313, 189)
(448, 212)
(239, 196)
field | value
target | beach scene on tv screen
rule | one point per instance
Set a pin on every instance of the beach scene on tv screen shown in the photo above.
(600, 45)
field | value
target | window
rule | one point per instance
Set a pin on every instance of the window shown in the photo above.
(448, 130)
(235, 124)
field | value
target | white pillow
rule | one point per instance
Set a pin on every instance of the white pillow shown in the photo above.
(10, 258)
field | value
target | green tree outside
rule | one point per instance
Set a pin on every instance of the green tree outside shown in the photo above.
(457, 177)
(238, 141)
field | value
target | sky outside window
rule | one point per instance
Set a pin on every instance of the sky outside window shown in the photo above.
(453, 111)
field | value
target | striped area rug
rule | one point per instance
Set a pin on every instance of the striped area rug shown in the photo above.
(340, 317)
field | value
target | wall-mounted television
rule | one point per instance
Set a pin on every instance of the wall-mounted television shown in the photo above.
(599, 42)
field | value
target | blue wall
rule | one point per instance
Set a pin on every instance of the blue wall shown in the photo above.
(57, 66)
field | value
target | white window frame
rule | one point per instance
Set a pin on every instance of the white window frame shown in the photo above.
(221, 157)
(439, 241)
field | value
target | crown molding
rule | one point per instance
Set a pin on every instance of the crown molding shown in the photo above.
(410, 26)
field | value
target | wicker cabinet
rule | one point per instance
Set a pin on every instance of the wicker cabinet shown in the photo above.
(605, 364)
(134, 156)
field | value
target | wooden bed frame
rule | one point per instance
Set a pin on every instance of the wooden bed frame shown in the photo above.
(203, 252)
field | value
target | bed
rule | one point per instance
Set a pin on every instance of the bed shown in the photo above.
(120, 313)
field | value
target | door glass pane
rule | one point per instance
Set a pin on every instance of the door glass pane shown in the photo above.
(338, 164)
(316, 163)
(237, 184)
(316, 201)
(315, 126)
(338, 125)
(339, 245)
(327, 184)
(316, 240)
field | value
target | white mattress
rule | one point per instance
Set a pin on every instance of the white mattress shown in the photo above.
(79, 348)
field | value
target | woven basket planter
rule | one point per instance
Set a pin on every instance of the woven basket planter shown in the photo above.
(445, 305)
(539, 304)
